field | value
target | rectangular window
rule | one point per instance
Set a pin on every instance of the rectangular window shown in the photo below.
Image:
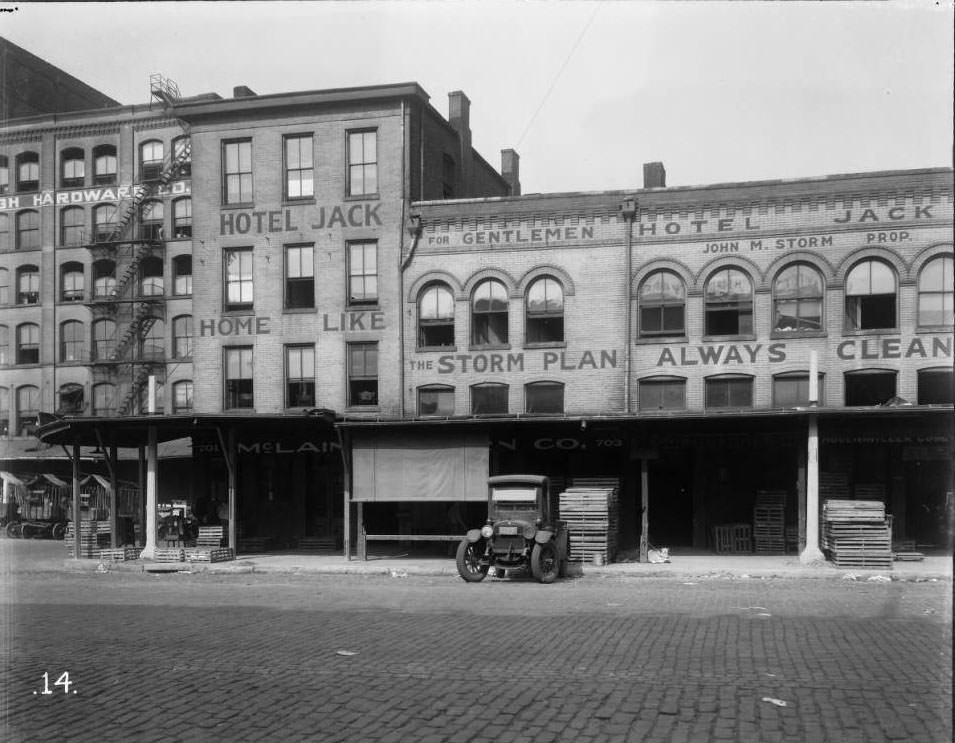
(238, 378)
(237, 172)
(362, 374)
(489, 399)
(182, 397)
(362, 163)
(544, 397)
(299, 177)
(363, 272)
(299, 376)
(299, 277)
(790, 392)
(935, 387)
(869, 387)
(729, 393)
(436, 401)
(238, 278)
(663, 394)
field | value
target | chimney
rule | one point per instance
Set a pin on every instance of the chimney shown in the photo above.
(242, 91)
(654, 175)
(511, 171)
(459, 116)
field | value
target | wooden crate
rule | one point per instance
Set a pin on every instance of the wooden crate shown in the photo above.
(202, 554)
(209, 537)
(164, 554)
(733, 539)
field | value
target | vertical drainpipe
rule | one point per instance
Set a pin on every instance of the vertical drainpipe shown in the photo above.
(628, 210)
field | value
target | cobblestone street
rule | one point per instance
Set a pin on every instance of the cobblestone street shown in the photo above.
(428, 659)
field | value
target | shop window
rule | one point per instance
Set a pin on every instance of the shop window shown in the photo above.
(72, 282)
(182, 397)
(72, 226)
(28, 230)
(151, 282)
(4, 174)
(363, 272)
(104, 340)
(104, 399)
(299, 376)
(544, 397)
(182, 337)
(151, 156)
(362, 374)
(104, 279)
(545, 311)
(182, 145)
(28, 343)
(662, 393)
(238, 278)
(237, 172)
(299, 168)
(72, 168)
(151, 218)
(489, 314)
(729, 303)
(869, 387)
(662, 300)
(152, 344)
(935, 387)
(436, 317)
(28, 285)
(72, 341)
(870, 296)
(729, 392)
(71, 400)
(436, 400)
(28, 410)
(362, 163)
(4, 411)
(182, 275)
(4, 345)
(489, 399)
(28, 172)
(299, 277)
(4, 233)
(182, 218)
(238, 378)
(104, 165)
(936, 287)
(792, 390)
(104, 222)
(798, 299)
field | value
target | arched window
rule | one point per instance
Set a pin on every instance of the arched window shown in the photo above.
(4, 411)
(28, 172)
(104, 165)
(436, 317)
(72, 226)
(28, 285)
(4, 345)
(870, 296)
(72, 341)
(545, 311)
(104, 278)
(489, 316)
(489, 399)
(4, 286)
(71, 399)
(182, 275)
(544, 397)
(662, 305)
(4, 233)
(729, 303)
(72, 168)
(150, 160)
(182, 218)
(104, 399)
(28, 230)
(104, 222)
(28, 409)
(182, 152)
(182, 337)
(436, 399)
(72, 282)
(153, 346)
(28, 343)
(4, 174)
(104, 340)
(182, 396)
(936, 283)
(151, 277)
(798, 298)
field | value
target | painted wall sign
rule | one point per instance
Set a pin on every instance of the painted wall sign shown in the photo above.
(733, 353)
(883, 214)
(242, 222)
(354, 321)
(536, 235)
(250, 325)
(934, 347)
(93, 195)
(273, 447)
(481, 363)
(566, 443)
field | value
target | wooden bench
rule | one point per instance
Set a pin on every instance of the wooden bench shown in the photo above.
(364, 538)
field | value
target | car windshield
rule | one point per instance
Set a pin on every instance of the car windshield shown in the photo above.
(514, 494)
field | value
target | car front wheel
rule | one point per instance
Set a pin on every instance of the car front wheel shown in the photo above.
(545, 564)
(468, 560)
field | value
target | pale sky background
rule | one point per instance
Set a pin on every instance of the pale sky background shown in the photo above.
(586, 92)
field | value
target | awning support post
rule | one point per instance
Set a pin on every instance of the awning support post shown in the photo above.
(811, 553)
(76, 502)
(152, 446)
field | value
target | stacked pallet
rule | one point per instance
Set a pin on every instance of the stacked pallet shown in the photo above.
(120, 554)
(93, 536)
(769, 522)
(833, 485)
(856, 534)
(204, 554)
(733, 539)
(589, 507)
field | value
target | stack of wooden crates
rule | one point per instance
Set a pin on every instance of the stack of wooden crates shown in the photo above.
(94, 535)
(857, 534)
(589, 506)
(769, 522)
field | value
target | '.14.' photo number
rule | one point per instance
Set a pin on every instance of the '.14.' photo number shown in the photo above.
(62, 683)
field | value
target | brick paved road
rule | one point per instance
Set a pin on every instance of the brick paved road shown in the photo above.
(255, 658)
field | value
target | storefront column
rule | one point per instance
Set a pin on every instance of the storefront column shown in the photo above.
(811, 552)
(645, 508)
(149, 551)
(801, 498)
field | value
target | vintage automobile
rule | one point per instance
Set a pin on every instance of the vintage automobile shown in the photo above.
(522, 530)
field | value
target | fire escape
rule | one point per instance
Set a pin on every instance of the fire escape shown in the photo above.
(131, 358)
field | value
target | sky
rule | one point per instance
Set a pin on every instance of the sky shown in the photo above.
(586, 92)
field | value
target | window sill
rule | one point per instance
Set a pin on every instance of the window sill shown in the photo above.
(363, 197)
(436, 349)
(782, 335)
(933, 329)
(721, 338)
(299, 311)
(362, 409)
(239, 205)
(655, 339)
(359, 307)
(305, 201)
(870, 331)
(504, 347)
(549, 344)
(240, 312)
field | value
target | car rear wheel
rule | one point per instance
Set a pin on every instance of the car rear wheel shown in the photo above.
(545, 563)
(468, 560)
(59, 530)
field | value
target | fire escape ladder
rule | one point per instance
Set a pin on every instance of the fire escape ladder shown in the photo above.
(141, 251)
(135, 391)
(143, 319)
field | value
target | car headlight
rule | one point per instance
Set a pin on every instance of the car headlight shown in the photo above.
(529, 532)
(487, 531)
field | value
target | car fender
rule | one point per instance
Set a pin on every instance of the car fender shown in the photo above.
(473, 535)
(543, 536)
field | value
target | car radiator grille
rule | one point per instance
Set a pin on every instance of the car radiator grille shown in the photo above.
(515, 544)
